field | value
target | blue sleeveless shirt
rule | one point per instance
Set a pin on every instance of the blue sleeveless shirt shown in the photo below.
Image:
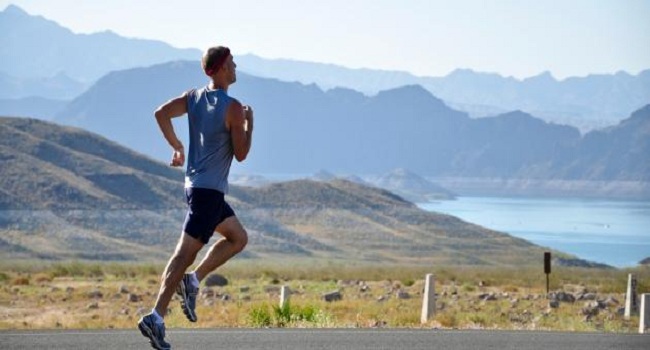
(210, 153)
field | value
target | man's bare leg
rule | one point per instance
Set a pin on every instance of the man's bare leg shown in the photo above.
(234, 240)
(183, 257)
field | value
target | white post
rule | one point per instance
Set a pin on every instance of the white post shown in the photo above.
(284, 295)
(429, 299)
(644, 320)
(631, 306)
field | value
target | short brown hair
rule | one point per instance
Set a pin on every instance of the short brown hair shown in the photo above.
(213, 59)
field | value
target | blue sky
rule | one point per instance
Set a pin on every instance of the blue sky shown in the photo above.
(426, 37)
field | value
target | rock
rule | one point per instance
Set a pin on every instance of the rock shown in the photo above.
(403, 295)
(381, 298)
(562, 296)
(610, 301)
(69, 290)
(225, 297)
(487, 296)
(244, 289)
(364, 288)
(332, 296)
(553, 304)
(124, 289)
(216, 280)
(591, 308)
(95, 294)
(587, 296)
(207, 293)
(92, 306)
(134, 298)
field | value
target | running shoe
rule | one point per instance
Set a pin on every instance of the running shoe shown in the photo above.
(154, 331)
(188, 292)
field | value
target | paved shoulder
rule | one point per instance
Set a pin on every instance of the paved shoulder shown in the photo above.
(323, 339)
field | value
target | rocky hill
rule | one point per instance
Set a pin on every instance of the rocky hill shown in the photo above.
(70, 194)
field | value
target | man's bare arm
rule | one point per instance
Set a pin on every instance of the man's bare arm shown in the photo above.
(240, 124)
(173, 108)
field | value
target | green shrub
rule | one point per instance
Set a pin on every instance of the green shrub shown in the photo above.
(409, 282)
(284, 316)
(260, 316)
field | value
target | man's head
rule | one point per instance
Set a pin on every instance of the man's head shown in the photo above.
(218, 59)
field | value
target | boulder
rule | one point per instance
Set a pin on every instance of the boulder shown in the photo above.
(332, 296)
(95, 294)
(562, 297)
(216, 280)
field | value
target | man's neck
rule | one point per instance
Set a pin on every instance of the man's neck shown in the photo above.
(218, 85)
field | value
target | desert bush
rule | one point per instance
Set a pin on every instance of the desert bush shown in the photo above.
(20, 281)
(287, 315)
(260, 316)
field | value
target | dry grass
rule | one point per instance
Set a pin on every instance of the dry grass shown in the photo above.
(85, 295)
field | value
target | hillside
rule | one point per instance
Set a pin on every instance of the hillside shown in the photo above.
(70, 194)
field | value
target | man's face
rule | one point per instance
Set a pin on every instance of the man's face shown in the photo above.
(231, 69)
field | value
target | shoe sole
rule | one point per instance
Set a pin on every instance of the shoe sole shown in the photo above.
(148, 333)
(191, 316)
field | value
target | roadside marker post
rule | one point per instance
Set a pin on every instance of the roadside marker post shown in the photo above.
(644, 319)
(429, 299)
(547, 269)
(631, 300)
(284, 295)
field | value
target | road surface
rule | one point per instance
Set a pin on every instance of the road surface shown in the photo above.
(324, 339)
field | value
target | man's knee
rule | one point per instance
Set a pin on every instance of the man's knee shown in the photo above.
(241, 240)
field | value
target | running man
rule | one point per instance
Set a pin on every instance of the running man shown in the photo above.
(220, 128)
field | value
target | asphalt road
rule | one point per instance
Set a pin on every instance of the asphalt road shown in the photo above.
(320, 339)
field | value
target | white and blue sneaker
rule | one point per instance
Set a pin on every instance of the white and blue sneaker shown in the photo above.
(154, 331)
(188, 291)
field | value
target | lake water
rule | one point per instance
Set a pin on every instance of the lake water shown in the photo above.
(616, 233)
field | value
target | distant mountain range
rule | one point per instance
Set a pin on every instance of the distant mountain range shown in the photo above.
(588, 103)
(71, 194)
(302, 129)
(41, 58)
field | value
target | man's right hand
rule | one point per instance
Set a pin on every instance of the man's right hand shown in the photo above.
(178, 158)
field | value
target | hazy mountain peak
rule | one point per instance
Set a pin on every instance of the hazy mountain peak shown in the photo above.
(409, 93)
(516, 114)
(14, 10)
(323, 175)
(30, 36)
(642, 114)
(544, 76)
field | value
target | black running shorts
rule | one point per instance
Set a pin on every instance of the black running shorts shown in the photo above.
(206, 208)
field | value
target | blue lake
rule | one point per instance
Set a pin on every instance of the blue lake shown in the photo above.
(616, 233)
